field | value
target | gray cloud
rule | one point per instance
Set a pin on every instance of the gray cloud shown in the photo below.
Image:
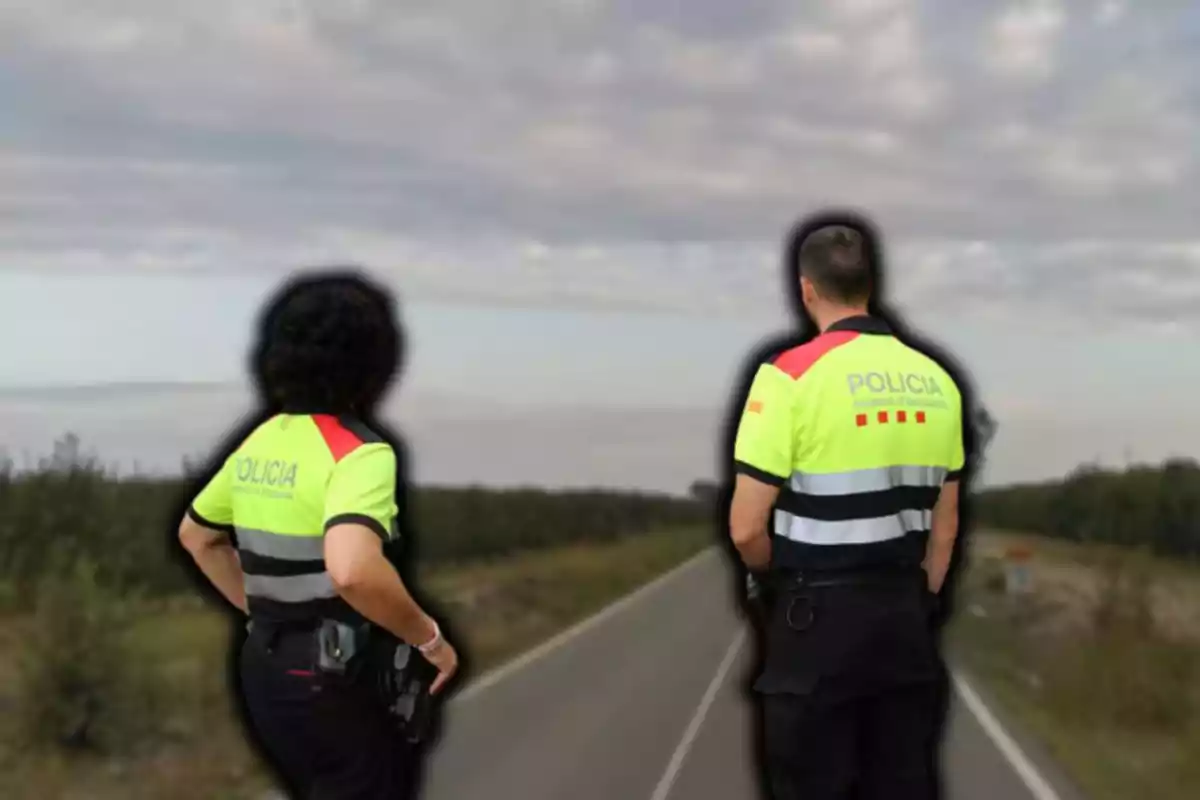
(613, 151)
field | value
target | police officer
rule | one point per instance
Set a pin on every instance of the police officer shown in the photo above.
(309, 497)
(847, 457)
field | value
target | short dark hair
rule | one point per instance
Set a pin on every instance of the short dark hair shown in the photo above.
(330, 342)
(837, 259)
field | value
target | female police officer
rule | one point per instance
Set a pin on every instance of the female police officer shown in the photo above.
(291, 529)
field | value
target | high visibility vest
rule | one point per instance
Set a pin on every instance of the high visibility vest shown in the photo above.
(860, 432)
(291, 480)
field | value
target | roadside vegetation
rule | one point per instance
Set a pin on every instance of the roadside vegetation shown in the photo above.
(113, 667)
(1100, 660)
(113, 676)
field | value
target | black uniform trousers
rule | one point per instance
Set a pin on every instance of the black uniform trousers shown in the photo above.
(852, 704)
(330, 737)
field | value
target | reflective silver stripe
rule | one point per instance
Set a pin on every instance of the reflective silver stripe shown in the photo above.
(291, 588)
(866, 480)
(851, 531)
(277, 545)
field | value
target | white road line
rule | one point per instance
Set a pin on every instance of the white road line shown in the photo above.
(1038, 786)
(693, 728)
(498, 674)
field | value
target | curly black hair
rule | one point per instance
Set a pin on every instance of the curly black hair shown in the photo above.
(329, 342)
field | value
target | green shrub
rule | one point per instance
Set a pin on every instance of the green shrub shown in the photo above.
(80, 687)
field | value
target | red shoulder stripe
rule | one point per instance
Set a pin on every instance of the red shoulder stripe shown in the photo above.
(340, 440)
(798, 360)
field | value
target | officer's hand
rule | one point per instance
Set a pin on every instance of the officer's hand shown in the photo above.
(759, 596)
(754, 589)
(933, 607)
(445, 658)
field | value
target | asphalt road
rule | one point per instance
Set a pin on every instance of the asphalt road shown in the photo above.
(645, 702)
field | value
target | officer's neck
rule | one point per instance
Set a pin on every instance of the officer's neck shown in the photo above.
(827, 317)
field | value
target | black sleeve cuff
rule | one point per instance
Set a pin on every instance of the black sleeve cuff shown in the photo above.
(743, 468)
(198, 518)
(954, 475)
(358, 519)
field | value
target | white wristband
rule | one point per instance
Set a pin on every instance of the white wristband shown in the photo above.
(433, 643)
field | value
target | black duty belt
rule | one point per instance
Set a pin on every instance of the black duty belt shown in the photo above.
(795, 588)
(803, 579)
(270, 631)
(281, 625)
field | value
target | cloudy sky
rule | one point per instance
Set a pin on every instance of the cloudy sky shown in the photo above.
(582, 203)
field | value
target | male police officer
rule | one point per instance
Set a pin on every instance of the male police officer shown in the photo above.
(853, 442)
(310, 499)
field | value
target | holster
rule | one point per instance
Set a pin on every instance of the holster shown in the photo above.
(402, 677)
(339, 645)
(762, 600)
(392, 670)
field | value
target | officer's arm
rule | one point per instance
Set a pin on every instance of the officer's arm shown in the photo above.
(944, 528)
(360, 509)
(763, 462)
(205, 533)
(942, 535)
(748, 517)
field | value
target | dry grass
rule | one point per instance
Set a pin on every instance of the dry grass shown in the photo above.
(1073, 575)
(1099, 662)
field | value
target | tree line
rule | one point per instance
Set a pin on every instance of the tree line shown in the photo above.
(70, 509)
(1152, 506)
